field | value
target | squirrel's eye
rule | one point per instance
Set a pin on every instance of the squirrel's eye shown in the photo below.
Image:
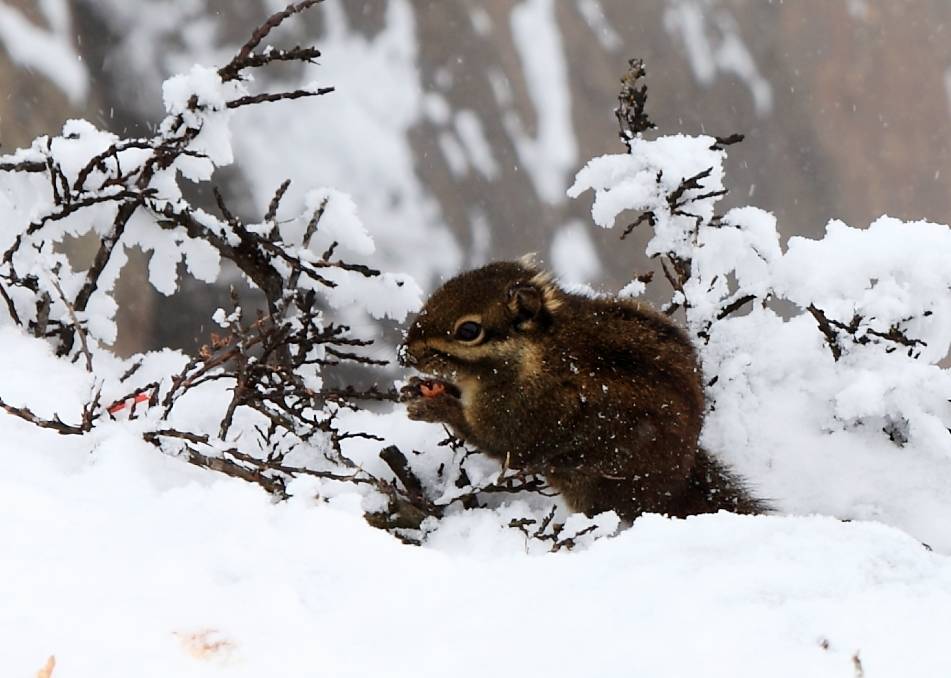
(468, 331)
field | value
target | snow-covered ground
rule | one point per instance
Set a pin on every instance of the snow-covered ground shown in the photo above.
(120, 561)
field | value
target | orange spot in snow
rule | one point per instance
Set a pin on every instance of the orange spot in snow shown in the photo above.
(206, 644)
(47, 670)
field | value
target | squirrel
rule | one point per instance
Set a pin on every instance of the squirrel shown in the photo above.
(602, 396)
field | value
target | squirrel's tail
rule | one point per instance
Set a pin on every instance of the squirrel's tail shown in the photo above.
(716, 487)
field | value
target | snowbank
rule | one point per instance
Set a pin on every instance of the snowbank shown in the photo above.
(130, 564)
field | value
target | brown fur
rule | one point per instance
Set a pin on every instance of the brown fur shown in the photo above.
(603, 396)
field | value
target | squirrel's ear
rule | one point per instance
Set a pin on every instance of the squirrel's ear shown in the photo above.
(525, 302)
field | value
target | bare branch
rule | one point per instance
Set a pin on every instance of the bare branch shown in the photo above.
(55, 424)
(722, 142)
(397, 462)
(271, 214)
(80, 330)
(33, 166)
(302, 54)
(631, 112)
(735, 305)
(832, 338)
(245, 56)
(252, 99)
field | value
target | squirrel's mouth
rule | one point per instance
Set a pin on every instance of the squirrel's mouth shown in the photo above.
(435, 378)
(428, 386)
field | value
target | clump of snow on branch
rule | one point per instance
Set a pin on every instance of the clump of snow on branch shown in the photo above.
(642, 180)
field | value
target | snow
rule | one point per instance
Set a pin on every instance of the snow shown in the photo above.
(125, 558)
(364, 130)
(202, 82)
(454, 154)
(356, 140)
(478, 151)
(169, 246)
(747, 249)
(693, 22)
(551, 153)
(893, 270)
(632, 290)
(574, 258)
(49, 51)
(204, 85)
(387, 296)
(206, 576)
(593, 13)
(339, 222)
(481, 21)
(641, 180)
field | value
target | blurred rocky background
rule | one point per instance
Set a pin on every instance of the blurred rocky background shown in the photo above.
(457, 126)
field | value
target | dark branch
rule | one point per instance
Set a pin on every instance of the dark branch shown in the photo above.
(245, 57)
(55, 424)
(734, 306)
(631, 112)
(278, 96)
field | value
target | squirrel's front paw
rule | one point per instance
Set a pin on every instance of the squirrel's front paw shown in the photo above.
(428, 409)
(412, 389)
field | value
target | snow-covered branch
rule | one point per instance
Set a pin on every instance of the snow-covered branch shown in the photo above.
(850, 367)
(261, 400)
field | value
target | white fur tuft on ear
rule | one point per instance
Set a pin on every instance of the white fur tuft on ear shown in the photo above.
(543, 281)
(530, 261)
(551, 298)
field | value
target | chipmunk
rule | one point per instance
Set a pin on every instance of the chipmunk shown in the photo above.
(602, 396)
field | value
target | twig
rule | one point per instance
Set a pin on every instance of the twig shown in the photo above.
(80, 330)
(272, 208)
(631, 112)
(266, 97)
(32, 166)
(735, 305)
(11, 307)
(245, 56)
(397, 462)
(722, 142)
(55, 424)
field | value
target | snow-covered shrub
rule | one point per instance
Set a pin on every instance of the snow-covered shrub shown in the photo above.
(840, 405)
(255, 403)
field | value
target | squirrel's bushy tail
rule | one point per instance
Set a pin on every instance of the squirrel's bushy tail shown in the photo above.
(714, 487)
